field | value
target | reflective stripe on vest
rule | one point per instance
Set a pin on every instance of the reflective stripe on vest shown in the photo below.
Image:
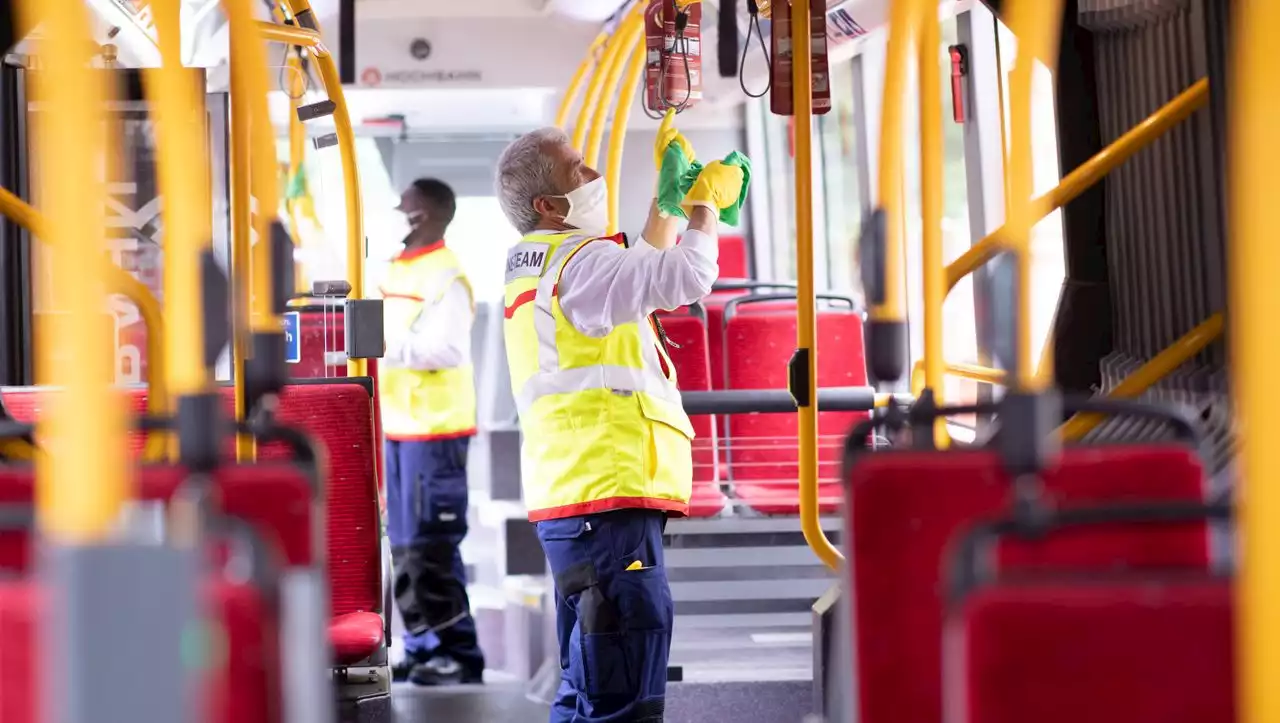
(424, 405)
(602, 423)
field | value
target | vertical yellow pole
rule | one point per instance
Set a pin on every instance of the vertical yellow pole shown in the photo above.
(183, 172)
(806, 324)
(1255, 305)
(934, 270)
(350, 170)
(82, 481)
(618, 133)
(241, 225)
(1035, 24)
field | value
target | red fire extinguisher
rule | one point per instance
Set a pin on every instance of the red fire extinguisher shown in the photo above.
(673, 55)
(781, 101)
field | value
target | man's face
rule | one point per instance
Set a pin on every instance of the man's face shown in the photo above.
(413, 208)
(570, 172)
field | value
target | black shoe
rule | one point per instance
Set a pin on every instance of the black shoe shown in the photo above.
(442, 670)
(401, 671)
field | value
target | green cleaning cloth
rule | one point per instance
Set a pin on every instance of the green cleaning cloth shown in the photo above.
(679, 173)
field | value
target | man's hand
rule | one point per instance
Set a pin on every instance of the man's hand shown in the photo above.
(718, 187)
(667, 134)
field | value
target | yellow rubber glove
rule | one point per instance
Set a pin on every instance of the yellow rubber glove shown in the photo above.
(667, 134)
(718, 187)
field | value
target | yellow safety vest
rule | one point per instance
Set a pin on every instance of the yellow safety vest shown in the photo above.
(601, 418)
(424, 405)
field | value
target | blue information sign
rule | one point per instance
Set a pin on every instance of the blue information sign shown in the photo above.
(292, 338)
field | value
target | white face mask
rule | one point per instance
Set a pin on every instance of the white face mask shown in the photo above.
(589, 207)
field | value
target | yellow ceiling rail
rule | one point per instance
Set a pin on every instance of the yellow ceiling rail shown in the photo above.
(575, 83)
(628, 35)
(288, 34)
(586, 112)
(1090, 172)
(332, 80)
(806, 323)
(1146, 376)
(1254, 156)
(618, 133)
(182, 171)
(82, 483)
(1036, 25)
(120, 282)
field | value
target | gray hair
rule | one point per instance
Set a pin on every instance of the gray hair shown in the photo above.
(525, 172)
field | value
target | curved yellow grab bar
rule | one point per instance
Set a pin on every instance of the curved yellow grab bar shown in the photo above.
(806, 323)
(119, 281)
(974, 372)
(628, 35)
(182, 171)
(618, 133)
(82, 483)
(1089, 173)
(332, 80)
(1145, 376)
(1036, 25)
(288, 34)
(575, 83)
(1254, 156)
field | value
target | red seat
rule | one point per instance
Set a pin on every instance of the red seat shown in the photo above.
(905, 509)
(239, 688)
(339, 414)
(1098, 651)
(354, 635)
(763, 456)
(688, 334)
(733, 258)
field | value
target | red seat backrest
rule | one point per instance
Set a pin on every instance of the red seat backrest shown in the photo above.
(759, 343)
(733, 258)
(688, 334)
(339, 414)
(239, 689)
(1125, 651)
(905, 508)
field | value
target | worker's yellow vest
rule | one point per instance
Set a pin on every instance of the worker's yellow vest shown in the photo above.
(424, 405)
(601, 418)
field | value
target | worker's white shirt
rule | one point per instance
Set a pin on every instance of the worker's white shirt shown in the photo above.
(439, 339)
(605, 285)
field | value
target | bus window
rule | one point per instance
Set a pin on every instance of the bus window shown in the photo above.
(478, 235)
(843, 197)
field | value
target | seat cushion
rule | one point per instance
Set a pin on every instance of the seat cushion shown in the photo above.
(355, 636)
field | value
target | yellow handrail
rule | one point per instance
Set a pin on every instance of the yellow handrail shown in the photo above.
(82, 483)
(974, 372)
(584, 119)
(288, 34)
(806, 323)
(120, 282)
(1036, 24)
(618, 133)
(1145, 376)
(575, 83)
(332, 80)
(929, 40)
(628, 35)
(182, 171)
(1255, 305)
(886, 317)
(1089, 173)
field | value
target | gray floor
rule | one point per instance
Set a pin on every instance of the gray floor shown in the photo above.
(493, 703)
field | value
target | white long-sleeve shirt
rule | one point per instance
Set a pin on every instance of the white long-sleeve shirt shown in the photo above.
(440, 338)
(605, 285)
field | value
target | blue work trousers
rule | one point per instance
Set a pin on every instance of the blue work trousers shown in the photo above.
(426, 522)
(614, 616)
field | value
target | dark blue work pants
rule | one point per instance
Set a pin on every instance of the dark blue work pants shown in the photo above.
(613, 624)
(426, 521)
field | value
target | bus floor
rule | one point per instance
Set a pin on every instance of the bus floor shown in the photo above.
(494, 702)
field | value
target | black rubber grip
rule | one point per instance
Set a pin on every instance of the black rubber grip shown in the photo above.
(727, 48)
(886, 349)
(798, 377)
